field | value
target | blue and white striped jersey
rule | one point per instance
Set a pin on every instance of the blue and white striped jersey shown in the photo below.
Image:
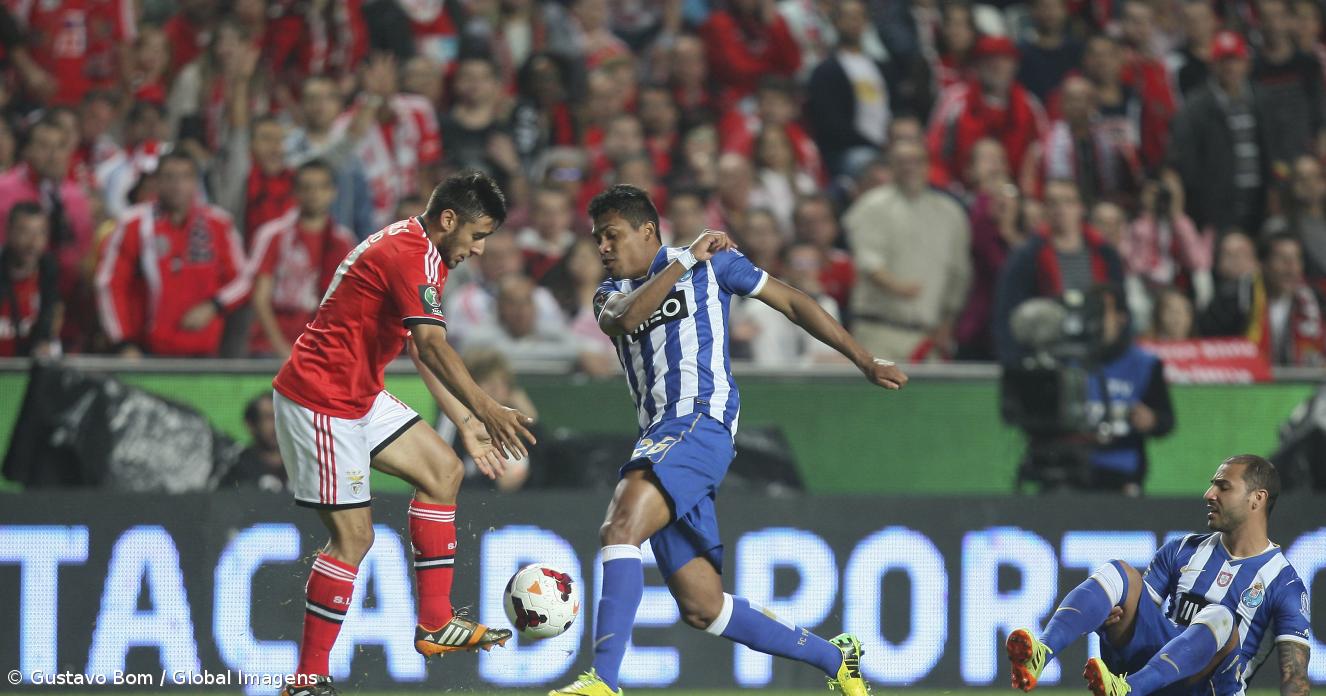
(677, 362)
(1262, 591)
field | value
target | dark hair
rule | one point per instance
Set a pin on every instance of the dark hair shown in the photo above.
(817, 198)
(251, 408)
(263, 120)
(140, 108)
(316, 165)
(1100, 36)
(1259, 474)
(628, 201)
(479, 56)
(28, 208)
(471, 194)
(1269, 241)
(177, 156)
(525, 77)
(684, 191)
(25, 138)
(776, 83)
(100, 95)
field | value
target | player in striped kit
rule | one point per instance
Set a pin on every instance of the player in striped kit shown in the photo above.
(1226, 592)
(666, 310)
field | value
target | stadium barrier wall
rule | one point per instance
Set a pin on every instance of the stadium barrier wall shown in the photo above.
(204, 589)
(848, 437)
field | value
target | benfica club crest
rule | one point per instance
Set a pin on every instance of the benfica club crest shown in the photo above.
(1224, 578)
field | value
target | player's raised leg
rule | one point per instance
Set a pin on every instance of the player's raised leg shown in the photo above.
(638, 510)
(418, 455)
(1197, 650)
(1086, 608)
(698, 589)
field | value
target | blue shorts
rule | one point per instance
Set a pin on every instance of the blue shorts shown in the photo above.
(1150, 633)
(689, 455)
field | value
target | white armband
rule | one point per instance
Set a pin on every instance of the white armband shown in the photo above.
(686, 259)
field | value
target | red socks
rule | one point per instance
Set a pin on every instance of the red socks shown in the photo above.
(433, 534)
(327, 598)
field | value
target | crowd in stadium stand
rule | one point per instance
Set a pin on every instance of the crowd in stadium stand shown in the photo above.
(182, 179)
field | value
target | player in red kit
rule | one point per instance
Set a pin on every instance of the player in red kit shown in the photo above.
(334, 419)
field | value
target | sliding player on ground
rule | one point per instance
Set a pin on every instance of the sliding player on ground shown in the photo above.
(1227, 592)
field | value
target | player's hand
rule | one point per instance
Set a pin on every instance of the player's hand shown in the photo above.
(885, 374)
(199, 316)
(479, 445)
(1116, 615)
(508, 427)
(711, 242)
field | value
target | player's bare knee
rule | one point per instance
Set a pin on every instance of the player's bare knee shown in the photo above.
(617, 531)
(442, 480)
(352, 542)
(700, 611)
(1133, 575)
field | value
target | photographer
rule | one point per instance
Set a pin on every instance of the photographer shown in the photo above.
(1086, 396)
(1127, 400)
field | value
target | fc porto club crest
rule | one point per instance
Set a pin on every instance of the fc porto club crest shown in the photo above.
(1253, 596)
(1224, 578)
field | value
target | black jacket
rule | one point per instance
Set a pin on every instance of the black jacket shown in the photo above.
(1201, 149)
(831, 110)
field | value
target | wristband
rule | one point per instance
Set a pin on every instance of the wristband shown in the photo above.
(686, 259)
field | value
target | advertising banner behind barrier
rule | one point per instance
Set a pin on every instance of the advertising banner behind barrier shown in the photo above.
(208, 589)
(1211, 361)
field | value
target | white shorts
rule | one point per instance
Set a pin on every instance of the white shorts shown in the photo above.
(327, 458)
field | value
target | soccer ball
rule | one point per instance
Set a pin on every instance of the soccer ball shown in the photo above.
(541, 602)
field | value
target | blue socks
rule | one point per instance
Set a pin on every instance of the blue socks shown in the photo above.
(751, 625)
(1086, 607)
(1181, 658)
(623, 585)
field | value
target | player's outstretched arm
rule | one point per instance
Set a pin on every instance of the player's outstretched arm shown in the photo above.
(507, 426)
(805, 312)
(1293, 668)
(474, 436)
(624, 312)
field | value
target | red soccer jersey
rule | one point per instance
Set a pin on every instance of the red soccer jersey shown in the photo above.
(58, 38)
(391, 281)
(302, 265)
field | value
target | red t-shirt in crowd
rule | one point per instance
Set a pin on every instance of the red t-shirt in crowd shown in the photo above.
(74, 41)
(302, 265)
